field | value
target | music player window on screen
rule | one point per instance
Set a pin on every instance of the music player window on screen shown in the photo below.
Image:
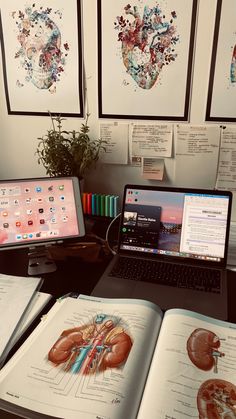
(175, 223)
(34, 211)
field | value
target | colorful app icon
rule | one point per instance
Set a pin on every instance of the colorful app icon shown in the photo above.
(52, 209)
(18, 237)
(38, 234)
(5, 214)
(39, 199)
(30, 222)
(28, 200)
(5, 225)
(16, 201)
(63, 209)
(41, 210)
(53, 220)
(38, 189)
(50, 188)
(18, 224)
(51, 198)
(27, 190)
(42, 221)
(65, 219)
(61, 187)
(62, 198)
(25, 236)
(30, 235)
(17, 213)
(29, 211)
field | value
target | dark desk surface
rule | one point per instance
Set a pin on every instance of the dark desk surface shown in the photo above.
(77, 275)
(72, 274)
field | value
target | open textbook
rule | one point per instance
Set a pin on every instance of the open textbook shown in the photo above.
(39, 301)
(16, 296)
(93, 358)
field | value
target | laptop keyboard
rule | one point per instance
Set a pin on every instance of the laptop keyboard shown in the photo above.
(175, 275)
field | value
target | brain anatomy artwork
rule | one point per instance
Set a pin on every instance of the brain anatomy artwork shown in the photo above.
(41, 53)
(216, 399)
(203, 349)
(148, 42)
(92, 348)
(233, 67)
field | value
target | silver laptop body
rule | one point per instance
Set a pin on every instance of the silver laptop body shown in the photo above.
(187, 227)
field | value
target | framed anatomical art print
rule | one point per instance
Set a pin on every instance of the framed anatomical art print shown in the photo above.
(42, 56)
(145, 56)
(221, 100)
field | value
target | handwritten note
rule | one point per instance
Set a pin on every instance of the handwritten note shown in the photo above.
(197, 151)
(226, 176)
(116, 136)
(153, 168)
(151, 140)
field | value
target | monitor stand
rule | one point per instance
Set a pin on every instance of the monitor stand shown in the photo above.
(39, 261)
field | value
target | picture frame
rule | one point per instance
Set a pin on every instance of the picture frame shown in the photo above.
(139, 78)
(220, 105)
(42, 57)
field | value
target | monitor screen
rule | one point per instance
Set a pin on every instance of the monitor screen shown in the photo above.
(39, 211)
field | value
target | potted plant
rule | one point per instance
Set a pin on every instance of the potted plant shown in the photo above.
(68, 153)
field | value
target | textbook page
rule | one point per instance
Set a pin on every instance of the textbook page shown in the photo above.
(88, 359)
(39, 301)
(193, 373)
(15, 296)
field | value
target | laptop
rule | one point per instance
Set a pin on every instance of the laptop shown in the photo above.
(172, 249)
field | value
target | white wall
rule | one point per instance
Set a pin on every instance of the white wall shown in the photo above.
(18, 138)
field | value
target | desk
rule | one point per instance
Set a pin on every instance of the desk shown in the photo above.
(76, 275)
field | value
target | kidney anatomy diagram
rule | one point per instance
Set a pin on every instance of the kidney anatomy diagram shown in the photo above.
(216, 398)
(94, 347)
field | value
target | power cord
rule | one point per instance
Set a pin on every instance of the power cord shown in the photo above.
(107, 234)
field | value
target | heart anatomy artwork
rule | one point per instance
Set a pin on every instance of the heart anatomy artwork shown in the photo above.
(148, 43)
(92, 348)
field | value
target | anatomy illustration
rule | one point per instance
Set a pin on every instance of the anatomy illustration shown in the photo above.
(148, 43)
(41, 52)
(203, 349)
(233, 67)
(216, 399)
(92, 348)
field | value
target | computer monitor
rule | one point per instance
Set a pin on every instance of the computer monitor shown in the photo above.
(37, 213)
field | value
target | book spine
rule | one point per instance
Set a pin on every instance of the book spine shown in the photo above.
(102, 207)
(116, 201)
(98, 205)
(93, 203)
(89, 203)
(111, 206)
(107, 205)
(84, 202)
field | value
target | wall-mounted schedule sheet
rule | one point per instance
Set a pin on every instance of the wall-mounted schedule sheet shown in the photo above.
(226, 177)
(196, 158)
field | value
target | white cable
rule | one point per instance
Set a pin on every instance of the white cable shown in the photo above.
(107, 233)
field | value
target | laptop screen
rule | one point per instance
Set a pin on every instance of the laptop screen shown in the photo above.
(179, 223)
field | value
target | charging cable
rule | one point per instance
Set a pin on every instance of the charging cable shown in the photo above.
(107, 234)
